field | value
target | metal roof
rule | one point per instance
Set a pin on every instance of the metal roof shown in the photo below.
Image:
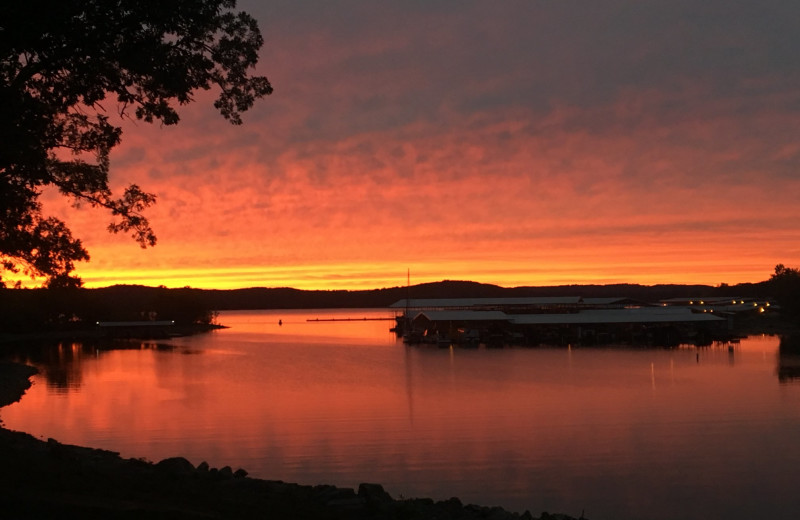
(605, 301)
(443, 303)
(464, 315)
(739, 307)
(585, 317)
(641, 315)
(707, 300)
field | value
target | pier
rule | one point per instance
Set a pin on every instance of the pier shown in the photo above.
(575, 320)
(351, 319)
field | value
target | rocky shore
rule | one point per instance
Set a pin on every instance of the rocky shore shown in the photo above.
(47, 479)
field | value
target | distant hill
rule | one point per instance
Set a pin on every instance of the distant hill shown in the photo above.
(26, 308)
(288, 298)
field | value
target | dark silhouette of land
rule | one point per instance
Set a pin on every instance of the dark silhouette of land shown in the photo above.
(60, 311)
(288, 298)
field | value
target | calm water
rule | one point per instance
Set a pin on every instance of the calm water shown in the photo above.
(618, 433)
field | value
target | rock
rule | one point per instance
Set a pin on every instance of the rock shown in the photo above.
(240, 473)
(226, 473)
(453, 503)
(55, 449)
(375, 497)
(498, 513)
(489, 513)
(558, 516)
(328, 494)
(347, 503)
(203, 467)
(176, 466)
(373, 493)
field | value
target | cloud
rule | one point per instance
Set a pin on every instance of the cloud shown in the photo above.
(610, 138)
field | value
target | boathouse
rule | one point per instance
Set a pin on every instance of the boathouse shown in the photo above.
(555, 321)
(728, 304)
(662, 325)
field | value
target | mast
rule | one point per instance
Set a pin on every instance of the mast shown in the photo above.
(408, 297)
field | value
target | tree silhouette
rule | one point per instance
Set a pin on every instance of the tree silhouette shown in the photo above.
(61, 62)
(785, 286)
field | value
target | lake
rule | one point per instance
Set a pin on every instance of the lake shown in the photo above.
(617, 433)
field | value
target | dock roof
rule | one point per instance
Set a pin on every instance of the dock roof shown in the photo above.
(444, 303)
(597, 316)
(707, 300)
(608, 301)
(583, 317)
(464, 315)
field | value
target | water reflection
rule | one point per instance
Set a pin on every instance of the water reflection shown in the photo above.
(789, 359)
(61, 363)
(620, 432)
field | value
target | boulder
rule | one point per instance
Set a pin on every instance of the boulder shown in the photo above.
(328, 494)
(176, 466)
(373, 493)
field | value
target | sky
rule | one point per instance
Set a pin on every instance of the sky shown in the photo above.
(514, 143)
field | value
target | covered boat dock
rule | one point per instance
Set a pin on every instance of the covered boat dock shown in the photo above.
(533, 321)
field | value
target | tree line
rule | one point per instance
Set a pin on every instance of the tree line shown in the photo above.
(64, 308)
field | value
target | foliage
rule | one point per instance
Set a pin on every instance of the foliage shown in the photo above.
(785, 285)
(66, 309)
(61, 62)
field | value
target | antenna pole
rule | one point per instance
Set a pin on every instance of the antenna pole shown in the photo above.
(408, 299)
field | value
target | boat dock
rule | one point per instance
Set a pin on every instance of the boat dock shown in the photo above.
(388, 318)
(574, 320)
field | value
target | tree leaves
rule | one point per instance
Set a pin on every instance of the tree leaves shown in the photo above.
(785, 286)
(59, 61)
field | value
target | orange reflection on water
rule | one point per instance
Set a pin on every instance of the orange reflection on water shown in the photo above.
(624, 430)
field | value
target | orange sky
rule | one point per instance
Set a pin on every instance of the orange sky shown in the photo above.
(522, 143)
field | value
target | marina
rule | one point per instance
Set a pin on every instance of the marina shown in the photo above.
(384, 318)
(569, 320)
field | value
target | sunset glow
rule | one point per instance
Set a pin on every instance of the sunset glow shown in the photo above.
(526, 143)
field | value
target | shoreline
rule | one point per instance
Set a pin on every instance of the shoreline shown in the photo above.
(777, 326)
(79, 334)
(47, 479)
